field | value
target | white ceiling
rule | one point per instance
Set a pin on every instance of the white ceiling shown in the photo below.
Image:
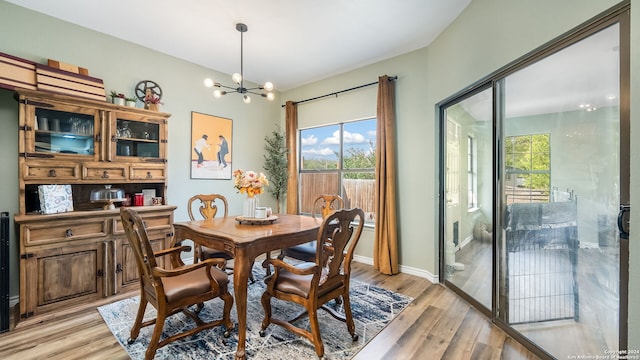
(289, 42)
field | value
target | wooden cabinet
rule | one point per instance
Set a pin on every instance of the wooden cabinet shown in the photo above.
(82, 258)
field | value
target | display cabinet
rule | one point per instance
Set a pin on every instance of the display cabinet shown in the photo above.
(82, 257)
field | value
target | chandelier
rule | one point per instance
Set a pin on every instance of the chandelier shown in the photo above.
(239, 79)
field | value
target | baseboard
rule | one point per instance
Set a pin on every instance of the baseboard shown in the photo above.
(403, 269)
(369, 261)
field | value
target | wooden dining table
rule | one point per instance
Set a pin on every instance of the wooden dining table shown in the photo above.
(245, 241)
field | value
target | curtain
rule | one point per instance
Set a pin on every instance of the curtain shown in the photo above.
(385, 248)
(291, 131)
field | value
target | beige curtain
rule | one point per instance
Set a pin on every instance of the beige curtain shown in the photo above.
(385, 248)
(290, 131)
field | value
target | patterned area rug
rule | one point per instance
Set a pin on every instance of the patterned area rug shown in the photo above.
(372, 307)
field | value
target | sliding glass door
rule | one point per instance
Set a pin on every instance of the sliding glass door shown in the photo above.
(469, 195)
(559, 250)
(534, 170)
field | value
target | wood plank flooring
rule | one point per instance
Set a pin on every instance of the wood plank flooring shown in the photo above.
(437, 325)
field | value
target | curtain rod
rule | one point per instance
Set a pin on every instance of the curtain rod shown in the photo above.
(391, 78)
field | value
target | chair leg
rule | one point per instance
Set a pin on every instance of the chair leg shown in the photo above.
(266, 305)
(135, 330)
(226, 319)
(155, 337)
(315, 332)
(349, 318)
(267, 266)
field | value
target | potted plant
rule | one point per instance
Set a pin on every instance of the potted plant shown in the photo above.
(131, 101)
(118, 98)
(275, 164)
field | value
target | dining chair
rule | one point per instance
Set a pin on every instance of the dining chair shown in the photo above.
(322, 206)
(210, 204)
(313, 284)
(175, 288)
(208, 209)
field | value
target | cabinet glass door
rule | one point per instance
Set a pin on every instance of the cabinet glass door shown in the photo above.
(137, 138)
(63, 132)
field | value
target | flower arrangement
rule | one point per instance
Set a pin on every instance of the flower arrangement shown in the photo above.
(131, 98)
(249, 182)
(152, 99)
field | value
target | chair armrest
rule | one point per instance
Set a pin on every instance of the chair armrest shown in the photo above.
(307, 268)
(169, 251)
(174, 253)
(186, 268)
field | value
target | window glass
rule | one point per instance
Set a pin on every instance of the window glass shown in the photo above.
(528, 159)
(339, 159)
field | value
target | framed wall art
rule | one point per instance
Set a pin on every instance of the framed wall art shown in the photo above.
(211, 138)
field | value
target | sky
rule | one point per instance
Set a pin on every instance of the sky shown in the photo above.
(323, 142)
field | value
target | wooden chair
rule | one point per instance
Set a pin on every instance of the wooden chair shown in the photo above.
(323, 205)
(173, 290)
(209, 206)
(313, 284)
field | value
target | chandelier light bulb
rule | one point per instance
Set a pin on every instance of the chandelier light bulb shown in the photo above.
(260, 90)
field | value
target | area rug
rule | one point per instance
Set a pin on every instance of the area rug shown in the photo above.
(373, 308)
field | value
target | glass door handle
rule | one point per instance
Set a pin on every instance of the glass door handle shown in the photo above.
(623, 221)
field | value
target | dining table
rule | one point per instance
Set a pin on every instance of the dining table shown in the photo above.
(245, 240)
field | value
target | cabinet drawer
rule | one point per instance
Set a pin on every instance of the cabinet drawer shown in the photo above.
(50, 171)
(147, 172)
(102, 172)
(153, 222)
(44, 233)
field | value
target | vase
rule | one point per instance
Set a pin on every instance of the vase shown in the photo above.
(249, 207)
(152, 107)
(131, 103)
(118, 101)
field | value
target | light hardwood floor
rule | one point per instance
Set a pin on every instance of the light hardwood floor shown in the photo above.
(437, 325)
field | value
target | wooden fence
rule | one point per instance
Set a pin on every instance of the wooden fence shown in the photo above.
(355, 192)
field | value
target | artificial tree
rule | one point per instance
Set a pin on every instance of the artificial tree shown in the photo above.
(275, 165)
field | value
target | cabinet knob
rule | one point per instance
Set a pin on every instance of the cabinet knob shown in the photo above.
(68, 233)
(149, 175)
(114, 138)
(105, 174)
(118, 268)
(52, 173)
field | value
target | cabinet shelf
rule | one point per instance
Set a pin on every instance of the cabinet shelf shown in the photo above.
(61, 134)
(138, 140)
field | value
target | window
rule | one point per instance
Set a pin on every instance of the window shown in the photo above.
(472, 175)
(528, 159)
(452, 188)
(339, 159)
